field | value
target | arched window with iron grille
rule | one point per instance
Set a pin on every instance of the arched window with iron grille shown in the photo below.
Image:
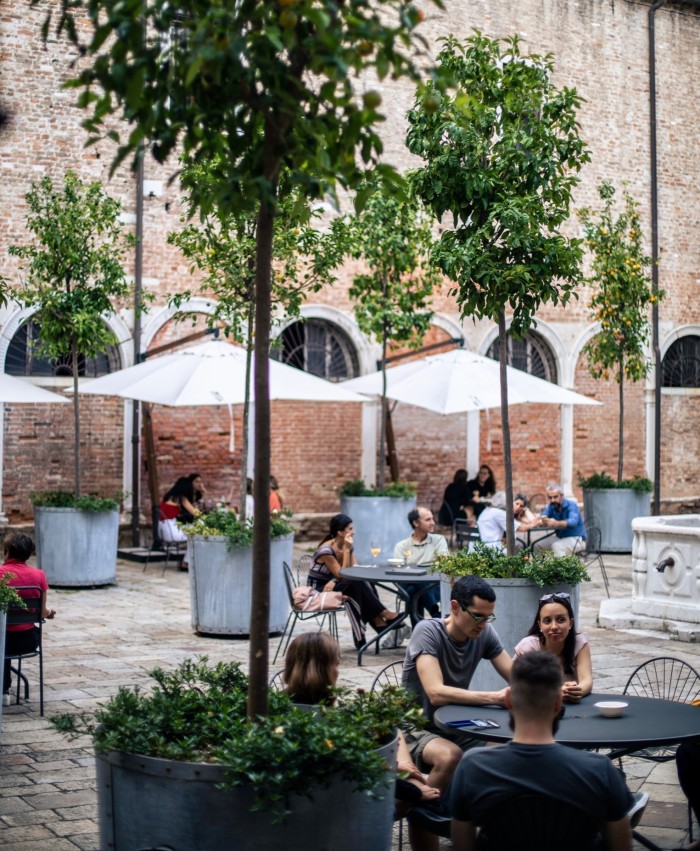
(318, 347)
(680, 366)
(532, 354)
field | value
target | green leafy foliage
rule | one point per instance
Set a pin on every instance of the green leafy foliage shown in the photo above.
(197, 714)
(490, 563)
(221, 522)
(85, 502)
(502, 152)
(9, 598)
(603, 481)
(357, 487)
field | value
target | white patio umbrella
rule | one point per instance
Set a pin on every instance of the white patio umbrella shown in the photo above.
(16, 390)
(212, 373)
(459, 381)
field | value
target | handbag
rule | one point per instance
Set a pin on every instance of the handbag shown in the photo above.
(307, 599)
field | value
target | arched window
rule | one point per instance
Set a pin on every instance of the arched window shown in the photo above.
(681, 364)
(318, 347)
(23, 358)
(531, 354)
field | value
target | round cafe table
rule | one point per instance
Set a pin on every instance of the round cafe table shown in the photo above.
(646, 722)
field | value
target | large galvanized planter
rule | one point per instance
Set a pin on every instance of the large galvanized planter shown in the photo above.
(517, 601)
(3, 624)
(77, 548)
(377, 519)
(221, 585)
(155, 803)
(615, 509)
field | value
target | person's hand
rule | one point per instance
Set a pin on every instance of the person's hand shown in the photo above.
(500, 697)
(330, 585)
(349, 539)
(571, 692)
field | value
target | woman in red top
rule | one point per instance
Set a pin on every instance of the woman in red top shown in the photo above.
(21, 638)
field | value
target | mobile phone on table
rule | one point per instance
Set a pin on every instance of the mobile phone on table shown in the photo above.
(473, 722)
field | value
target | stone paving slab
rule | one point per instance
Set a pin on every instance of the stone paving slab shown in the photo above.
(106, 637)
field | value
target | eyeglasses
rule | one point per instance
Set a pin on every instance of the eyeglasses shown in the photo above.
(562, 596)
(478, 618)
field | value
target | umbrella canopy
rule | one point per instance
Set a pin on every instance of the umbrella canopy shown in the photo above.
(212, 373)
(459, 381)
(16, 390)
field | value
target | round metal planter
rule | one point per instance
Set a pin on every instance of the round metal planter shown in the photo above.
(154, 803)
(379, 519)
(77, 548)
(221, 585)
(516, 606)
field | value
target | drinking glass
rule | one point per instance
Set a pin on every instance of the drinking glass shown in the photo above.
(375, 549)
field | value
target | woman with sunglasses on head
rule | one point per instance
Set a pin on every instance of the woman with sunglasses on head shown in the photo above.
(554, 630)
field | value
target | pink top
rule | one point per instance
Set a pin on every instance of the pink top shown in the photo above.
(532, 642)
(24, 575)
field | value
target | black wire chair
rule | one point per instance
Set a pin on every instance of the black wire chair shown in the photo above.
(592, 554)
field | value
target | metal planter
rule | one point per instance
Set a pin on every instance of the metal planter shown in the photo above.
(379, 519)
(221, 585)
(77, 548)
(145, 802)
(615, 509)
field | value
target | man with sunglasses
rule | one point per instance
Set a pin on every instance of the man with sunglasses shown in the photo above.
(441, 658)
(563, 516)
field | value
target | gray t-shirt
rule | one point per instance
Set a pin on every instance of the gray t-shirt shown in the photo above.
(486, 777)
(458, 659)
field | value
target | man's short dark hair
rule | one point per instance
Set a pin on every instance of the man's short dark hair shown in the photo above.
(535, 681)
(413, 517)
(18, 546)
(468, 587)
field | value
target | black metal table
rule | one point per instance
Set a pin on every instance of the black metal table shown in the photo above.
(391, 578)
(646, 722)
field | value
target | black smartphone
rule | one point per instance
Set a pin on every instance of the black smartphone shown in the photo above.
(473, 722)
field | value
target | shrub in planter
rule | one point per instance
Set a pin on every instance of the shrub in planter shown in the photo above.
(76, 538)
(379, 516)
(614, 504)
(220, 556)
(519, 581)
(268, 769)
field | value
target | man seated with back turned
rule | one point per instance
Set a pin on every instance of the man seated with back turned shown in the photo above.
(564, 517)
(533, 764)
(441, 658)
(422, 547)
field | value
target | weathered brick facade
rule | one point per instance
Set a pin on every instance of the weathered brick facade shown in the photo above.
(600, 46)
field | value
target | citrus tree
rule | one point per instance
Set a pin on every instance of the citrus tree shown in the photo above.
(502, 152)
(74, 275)
(392, 235)
(254, 87)
(621, 299)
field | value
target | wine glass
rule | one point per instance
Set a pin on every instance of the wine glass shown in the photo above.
(375, 549)
(407, 555)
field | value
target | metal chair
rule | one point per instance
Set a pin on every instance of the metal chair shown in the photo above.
(592, 554)
(277, 682)
(31, 615)
(665, 678)
(171, 546)
(537, 503)
(390, 675)
(296, 615)
(465, 534)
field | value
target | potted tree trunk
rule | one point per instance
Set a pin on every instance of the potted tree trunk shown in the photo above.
(221, 572)
(183, 767)
(620, 304)
(379, 516)
(74, 279)
(519, 581)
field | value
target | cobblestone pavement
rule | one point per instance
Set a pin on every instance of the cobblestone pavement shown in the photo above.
(104, 638)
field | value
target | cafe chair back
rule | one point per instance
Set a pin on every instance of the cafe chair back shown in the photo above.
(591, 554)
(390, 675)
(295, 614)
(31, 615)
(465, 535)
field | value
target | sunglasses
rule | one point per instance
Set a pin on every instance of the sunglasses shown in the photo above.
(562, 596)
(478, 618)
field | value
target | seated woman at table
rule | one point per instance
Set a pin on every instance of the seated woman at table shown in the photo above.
(177, 506)
(199, 491)
(483, 487)
(335, 553)
(521, 512)
(454, 500)
(311, 670)
(554, 630)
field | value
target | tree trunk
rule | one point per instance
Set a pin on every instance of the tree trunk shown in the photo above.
(76, 417)
(242, 514)
(260, 605)
(391, 448)
(621, 424)
(505, 427)
(382, 429)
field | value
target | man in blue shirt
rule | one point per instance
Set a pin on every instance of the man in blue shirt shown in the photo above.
(563, 516)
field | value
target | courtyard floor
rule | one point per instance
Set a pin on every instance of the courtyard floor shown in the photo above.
(107, 637)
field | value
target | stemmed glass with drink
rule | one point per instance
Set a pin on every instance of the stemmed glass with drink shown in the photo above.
(375, 549)
(407, 555)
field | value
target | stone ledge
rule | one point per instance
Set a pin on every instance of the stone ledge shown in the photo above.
(617, 614)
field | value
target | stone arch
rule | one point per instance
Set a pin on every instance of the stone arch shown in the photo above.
(159, 318)
(551, 346)
(682, 346)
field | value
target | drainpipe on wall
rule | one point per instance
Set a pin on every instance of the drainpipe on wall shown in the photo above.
(655, 249)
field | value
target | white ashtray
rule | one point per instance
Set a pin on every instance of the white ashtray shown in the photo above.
(394, 561)
(611, 708)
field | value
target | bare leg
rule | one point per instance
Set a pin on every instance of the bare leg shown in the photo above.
(442, 757)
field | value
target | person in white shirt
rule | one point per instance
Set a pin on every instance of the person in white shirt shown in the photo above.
(492, 522)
